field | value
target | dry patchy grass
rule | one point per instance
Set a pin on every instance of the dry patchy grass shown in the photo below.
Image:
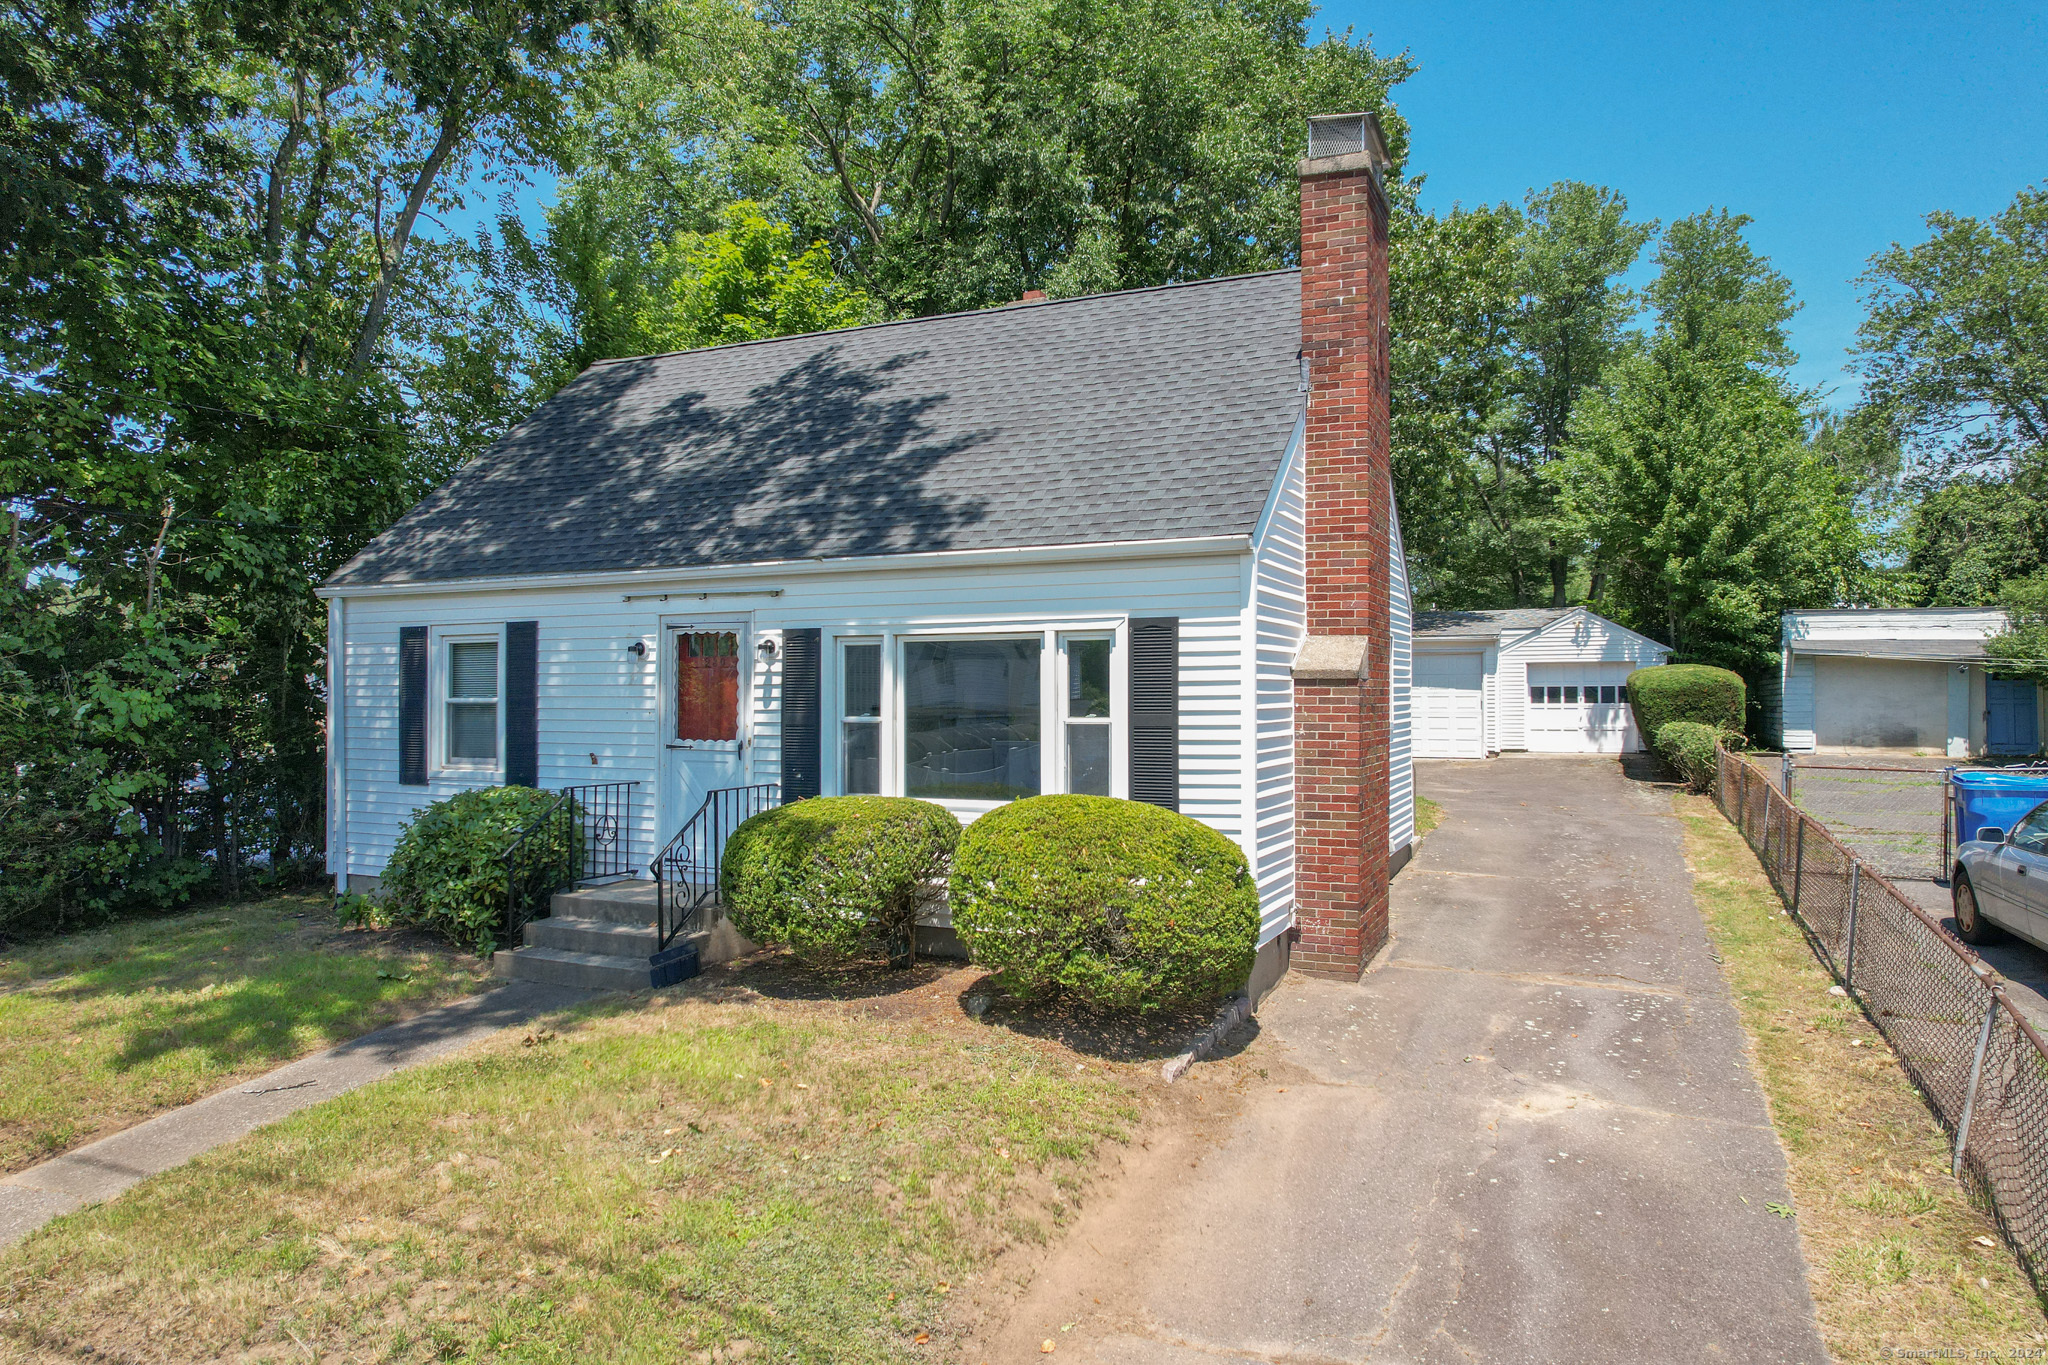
(105, 1029)
(706, 1170)
(1899, 1257)
(1428, 815)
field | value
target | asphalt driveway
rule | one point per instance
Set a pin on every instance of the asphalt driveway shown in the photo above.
(1531, 1134)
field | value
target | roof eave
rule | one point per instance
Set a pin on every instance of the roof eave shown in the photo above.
(645, 579)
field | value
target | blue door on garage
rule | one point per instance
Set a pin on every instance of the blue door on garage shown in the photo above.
(2011, 717)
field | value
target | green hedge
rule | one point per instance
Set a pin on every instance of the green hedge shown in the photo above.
(448, 871)
(1689, 747)
(836, 879)
(1694, 692)
(1115, 902)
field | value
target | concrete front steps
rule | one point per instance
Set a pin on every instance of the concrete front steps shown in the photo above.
(603, 938)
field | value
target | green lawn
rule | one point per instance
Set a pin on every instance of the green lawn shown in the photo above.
(1900, 1260)
(105, 1029)
(648, 1179)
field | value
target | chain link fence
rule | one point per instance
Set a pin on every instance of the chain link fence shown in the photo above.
(1981, 1067)
(1889, 817)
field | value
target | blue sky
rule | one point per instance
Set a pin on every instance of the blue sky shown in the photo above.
(1835, 126)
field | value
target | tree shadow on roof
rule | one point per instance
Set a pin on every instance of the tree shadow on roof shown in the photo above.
(826, 459)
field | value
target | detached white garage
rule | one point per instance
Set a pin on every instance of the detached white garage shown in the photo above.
(1544, 679)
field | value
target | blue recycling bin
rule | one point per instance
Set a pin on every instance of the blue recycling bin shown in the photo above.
(1994, 796)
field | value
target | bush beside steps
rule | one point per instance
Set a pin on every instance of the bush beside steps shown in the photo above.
(447, 873)
(837, 879)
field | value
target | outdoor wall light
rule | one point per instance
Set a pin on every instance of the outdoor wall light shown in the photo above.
(638, 647)
(767, 649)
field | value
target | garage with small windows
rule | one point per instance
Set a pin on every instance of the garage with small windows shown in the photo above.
(1541, 679)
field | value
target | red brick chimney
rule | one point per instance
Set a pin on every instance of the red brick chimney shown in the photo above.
(1342, 701)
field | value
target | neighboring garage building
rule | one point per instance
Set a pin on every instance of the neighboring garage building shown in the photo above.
(1881, 678)
(1545, 679)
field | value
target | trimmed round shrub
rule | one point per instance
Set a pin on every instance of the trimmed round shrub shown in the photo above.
(1117, 903)
(1688, 747)
(836, 879)
(1694, 692)
(448, 872)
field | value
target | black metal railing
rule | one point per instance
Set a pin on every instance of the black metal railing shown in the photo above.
(607, 816)
(686, 871)
(583, 835)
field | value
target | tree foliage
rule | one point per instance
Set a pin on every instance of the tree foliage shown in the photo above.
(1954, 344)
(1711, 512)
(229, 357)
(1504, 320)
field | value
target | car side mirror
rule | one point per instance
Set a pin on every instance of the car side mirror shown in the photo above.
(1990, 834)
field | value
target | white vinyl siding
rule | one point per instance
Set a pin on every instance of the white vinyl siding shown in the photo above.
(1400, 680)
(1577, 638)
(597, 697)
(1279, 619)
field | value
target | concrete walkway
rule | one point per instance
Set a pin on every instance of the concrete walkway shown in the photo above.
(98, 1172)
(1531, 1134)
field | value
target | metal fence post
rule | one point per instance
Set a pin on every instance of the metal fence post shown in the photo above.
(1855, 886)
(1785, 771)
(1976, 1073)
(1798, 859)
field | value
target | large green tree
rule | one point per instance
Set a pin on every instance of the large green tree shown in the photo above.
(1954, 355)
(1504, 321)
(955, 156)
(1691, 475)
(230, 356)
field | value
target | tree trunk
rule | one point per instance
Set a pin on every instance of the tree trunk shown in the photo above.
(401, 233)
(1560, 578)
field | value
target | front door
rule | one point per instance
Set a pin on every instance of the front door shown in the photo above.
(2011, 718)
(703, 721)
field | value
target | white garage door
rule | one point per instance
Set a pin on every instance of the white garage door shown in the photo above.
(1449, 719)
(1580, 709)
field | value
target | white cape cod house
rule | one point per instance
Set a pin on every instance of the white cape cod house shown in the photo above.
(1051, 547)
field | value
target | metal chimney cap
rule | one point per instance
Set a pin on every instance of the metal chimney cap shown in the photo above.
(1346, 135)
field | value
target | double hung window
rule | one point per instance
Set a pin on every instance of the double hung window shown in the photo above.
(860, 718)
(1088, 720)
(470, 704)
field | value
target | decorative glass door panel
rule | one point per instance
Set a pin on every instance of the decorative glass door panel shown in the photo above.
(702, 730)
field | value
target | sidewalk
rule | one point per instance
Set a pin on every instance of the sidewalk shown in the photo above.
(1531, 1134)
(96, 1173)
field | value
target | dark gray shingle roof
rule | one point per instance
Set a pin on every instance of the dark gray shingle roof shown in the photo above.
(1488, 622)
(1142, 415)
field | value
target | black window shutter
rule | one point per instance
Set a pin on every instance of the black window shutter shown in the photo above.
(522, 703)
(802, 706)
(1155, 711)
(412, 706)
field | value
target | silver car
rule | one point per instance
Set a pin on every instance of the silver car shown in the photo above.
(2001, 882)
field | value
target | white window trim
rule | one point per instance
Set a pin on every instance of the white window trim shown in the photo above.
(1115, 722)
(836, 762)
(439, 638)
(1052, 638)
